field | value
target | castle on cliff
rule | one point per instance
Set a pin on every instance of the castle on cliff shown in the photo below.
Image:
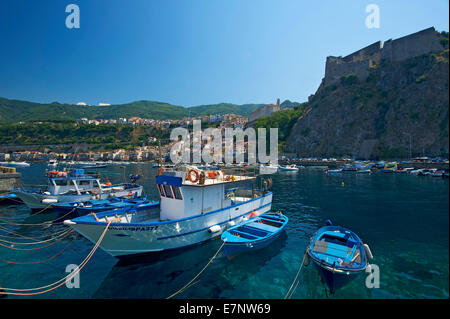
(360, 62)
(265, 110)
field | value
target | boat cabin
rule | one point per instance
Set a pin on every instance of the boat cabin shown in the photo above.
(182, 198)
(74, 182)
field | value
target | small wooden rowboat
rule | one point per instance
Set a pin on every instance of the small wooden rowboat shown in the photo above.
(255, 233)
(339, 255)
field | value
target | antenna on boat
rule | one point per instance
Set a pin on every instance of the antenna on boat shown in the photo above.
(160, 156)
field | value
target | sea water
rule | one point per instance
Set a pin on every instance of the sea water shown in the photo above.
(404, 219)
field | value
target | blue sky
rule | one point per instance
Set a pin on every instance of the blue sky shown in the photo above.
(189, 52)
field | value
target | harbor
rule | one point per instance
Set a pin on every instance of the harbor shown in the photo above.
(383, 212)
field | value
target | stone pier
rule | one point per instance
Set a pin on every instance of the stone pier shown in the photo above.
(9, 179)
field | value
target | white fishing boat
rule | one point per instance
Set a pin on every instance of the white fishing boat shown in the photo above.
(333, 171)
(52, 163)
(15, 164)
(288, 168)
(268, 169)
(74, 186)
(194, 207)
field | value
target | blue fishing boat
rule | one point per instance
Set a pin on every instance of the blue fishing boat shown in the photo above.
(137, 204)
(255, 233)
(339, 255)
(74, 186)
(10, 198)
(95, 206)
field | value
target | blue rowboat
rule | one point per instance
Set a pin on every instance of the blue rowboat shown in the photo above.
(95, 206)
(10, 198)
(74, 206)
(339, 255)
(255, 233)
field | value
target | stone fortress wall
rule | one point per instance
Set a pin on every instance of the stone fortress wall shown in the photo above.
(359, 62)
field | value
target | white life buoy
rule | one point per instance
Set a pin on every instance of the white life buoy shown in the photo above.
(368, 251)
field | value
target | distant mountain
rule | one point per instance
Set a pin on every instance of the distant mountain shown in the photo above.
(23, 111)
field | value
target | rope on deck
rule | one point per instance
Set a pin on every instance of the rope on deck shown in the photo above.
(60, 282)
(201, 271)
(296, 281)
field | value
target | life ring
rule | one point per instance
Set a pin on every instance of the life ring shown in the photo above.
(190, 176)
(108, 184)
(228, 178)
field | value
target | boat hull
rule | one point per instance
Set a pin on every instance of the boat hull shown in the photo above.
(127, 239)
(335, 279)
(232, 249)
(36, 200)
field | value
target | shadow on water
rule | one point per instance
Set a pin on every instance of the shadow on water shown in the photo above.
(161, 274)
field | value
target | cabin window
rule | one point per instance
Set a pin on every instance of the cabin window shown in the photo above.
(161, 191)
(168, 191)
(83, 183)
(60, 182)
(177, 192)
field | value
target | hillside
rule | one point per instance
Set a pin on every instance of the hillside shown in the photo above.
(12, 111)
(399, 102)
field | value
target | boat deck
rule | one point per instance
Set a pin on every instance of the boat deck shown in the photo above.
(216, 181)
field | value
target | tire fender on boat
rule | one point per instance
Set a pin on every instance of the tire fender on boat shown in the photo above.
(306, 261)
(368, 251)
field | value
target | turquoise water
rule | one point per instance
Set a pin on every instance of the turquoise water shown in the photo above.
(403, 218)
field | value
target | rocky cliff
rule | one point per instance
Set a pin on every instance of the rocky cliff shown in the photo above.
(396, 106)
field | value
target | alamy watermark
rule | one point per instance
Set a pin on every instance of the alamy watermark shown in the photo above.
(73, 19)
(373, 277)
(373, 19)
(210, 146)
(74, 281)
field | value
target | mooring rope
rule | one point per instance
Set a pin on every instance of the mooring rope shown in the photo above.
(61, 234)
(62, 281)
(66, 234)
(41, 261)
(201, 271)
(34, 214)
(292, 289)
(18, 235)
(13, 199)
(52, 222)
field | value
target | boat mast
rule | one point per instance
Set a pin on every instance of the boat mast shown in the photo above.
(160, 156)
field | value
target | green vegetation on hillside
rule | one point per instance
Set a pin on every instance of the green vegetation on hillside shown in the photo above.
(284, 120)
(106, 136)
(13, 111)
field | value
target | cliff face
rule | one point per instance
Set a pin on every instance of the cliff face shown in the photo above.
(397, 103)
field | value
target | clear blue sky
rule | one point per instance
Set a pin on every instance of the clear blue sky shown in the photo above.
(189, 52)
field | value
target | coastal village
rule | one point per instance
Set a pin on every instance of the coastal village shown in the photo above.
(145, 152)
